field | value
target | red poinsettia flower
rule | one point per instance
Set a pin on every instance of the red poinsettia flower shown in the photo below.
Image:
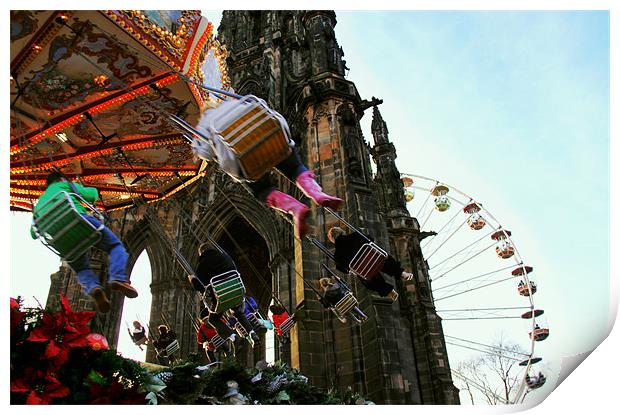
(16, 315)
(41, 387)
(63, 330)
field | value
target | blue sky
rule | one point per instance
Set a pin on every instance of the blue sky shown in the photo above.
(510, 107)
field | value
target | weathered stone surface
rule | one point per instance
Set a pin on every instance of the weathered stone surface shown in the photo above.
(293, 60)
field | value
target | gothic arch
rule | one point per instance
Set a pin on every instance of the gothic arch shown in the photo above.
(140, 237)
(235, 205)
(250, 86)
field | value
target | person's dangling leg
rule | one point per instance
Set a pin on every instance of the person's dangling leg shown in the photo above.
(239, 313)
(117, 275)
(222, 329)
(262, 187)
(380, 286)
(265, 192)
(90, 282)
(294, 169)
(292, 166)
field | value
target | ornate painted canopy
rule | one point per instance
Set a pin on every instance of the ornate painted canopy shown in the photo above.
(90, 95)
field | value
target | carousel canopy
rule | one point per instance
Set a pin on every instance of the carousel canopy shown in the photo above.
(91, 92)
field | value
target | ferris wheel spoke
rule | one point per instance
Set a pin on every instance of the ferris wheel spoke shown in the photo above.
(474, 288)
(430, 212)
(423, 205)
(439, 232)
(490, 352)
(447, 239)
(494, 313)
(488, 346)
(461, 250)
(463, 262)
(473, 278)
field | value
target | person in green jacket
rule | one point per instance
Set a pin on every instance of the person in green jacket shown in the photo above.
(117, 278)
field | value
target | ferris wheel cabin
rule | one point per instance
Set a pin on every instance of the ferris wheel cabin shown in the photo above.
(475, 221)
(539, 334)
(523, 287)
(442, 201)
(409, 195)
(535, 382)
(504, 248)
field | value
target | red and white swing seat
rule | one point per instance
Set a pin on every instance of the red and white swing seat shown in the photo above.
(368, 261)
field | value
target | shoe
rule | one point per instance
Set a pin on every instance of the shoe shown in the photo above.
(250, 340)
(306, 183)
(124, 287)
(103, 304)
(393, 295)
(255, 338)
(406, 276)
(288, 204)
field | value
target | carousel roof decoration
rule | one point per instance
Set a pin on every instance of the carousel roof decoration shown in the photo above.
(91, 92)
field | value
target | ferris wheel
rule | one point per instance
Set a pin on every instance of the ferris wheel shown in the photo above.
(481, 286)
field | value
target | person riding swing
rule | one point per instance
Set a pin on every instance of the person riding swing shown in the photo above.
(118, 280)
(254, 316)
(165, 338)
(210, 339)
(211, 263)
(138, 334)
(279, 316)
(333, 292)
(347, 246)
(214, 126)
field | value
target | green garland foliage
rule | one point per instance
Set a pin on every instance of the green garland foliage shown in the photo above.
(271, 384)
(56, 360)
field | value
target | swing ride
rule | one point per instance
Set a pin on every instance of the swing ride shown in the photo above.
(469, 262)
(111, 98)
(91, 92)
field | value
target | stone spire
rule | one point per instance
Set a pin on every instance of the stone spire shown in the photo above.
(379, 127)
(387, 177)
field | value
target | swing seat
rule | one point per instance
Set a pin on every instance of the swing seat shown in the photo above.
(63, 229)
(141, 341)
(228, 291)
(216, 342)
(368, 261)
(172, 348)
(287, 324)
(253, 319)
(241, 331)
(345, 306)
(258, 136)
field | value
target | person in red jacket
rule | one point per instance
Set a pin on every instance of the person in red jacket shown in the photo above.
(205, 333)
(279, 316)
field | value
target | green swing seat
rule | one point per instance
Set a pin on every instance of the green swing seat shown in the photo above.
(227, 291)
(62, 228)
